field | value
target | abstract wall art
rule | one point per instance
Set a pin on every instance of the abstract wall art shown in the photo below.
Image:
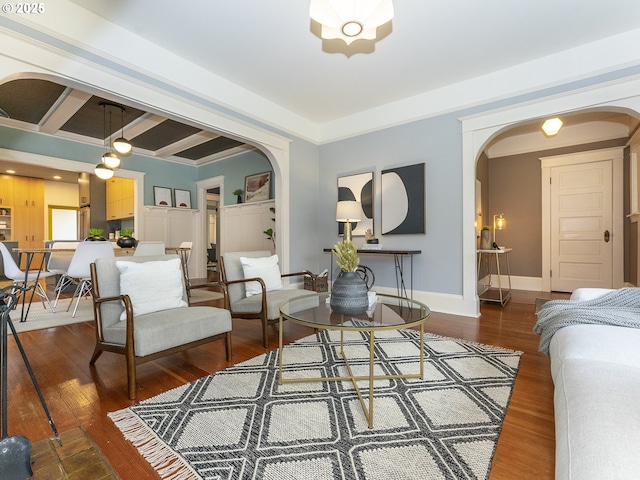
(359, 188)
(403, 200)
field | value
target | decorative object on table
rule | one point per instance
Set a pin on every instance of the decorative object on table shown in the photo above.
(473, 381)
(271, 232)
(485, 238)
(257, 187)
(162, 197)
(238, 193)
(96, 235)
(358, 188)
(348, 211)
(183, 198)
(403, 200)
(317, 283)
(349, 293)
(499, 223)
(126, 240)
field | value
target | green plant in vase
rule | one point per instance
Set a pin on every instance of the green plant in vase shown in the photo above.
(126, 240)
(96, 235)
(349, 293)
(238, 192)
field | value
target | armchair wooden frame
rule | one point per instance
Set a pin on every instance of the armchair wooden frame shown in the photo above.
(128, 349)
(262, 314)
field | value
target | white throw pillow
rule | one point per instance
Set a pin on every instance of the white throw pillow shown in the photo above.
(152, 286)
(265, 268)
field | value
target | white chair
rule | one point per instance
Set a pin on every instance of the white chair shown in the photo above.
(149, 248)
(13, 272)
(59, 263)
(79, 269)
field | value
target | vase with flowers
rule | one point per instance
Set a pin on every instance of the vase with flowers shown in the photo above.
(349, 293)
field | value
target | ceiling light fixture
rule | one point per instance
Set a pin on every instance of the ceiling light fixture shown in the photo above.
(122, 145)
(552, 126)
(110, 161)
(350, 20)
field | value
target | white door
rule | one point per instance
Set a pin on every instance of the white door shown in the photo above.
(582, 226)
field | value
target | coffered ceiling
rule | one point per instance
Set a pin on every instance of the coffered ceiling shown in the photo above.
(51, 108)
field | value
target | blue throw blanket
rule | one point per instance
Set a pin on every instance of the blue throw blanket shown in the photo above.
(620, 308)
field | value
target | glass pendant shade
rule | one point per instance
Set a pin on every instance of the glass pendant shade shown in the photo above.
(122, 146)
(350, 20)
(104, 172)
(111, 160)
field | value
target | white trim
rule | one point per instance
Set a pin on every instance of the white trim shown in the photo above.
(546, 164)
(478, 130)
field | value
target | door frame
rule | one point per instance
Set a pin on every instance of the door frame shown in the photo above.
(546, 164)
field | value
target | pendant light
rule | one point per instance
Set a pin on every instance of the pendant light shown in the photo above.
(110, 160)
(122, 145)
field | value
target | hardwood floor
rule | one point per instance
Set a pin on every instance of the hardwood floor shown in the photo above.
(80, 396)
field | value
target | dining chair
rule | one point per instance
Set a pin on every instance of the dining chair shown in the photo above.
(149, 248)
(58, 264)
(22, 278)
(79, 270)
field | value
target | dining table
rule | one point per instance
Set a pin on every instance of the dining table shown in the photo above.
(35, 260)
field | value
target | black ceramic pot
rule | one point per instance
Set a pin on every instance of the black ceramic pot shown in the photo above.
(349, 294)
(126, 242)
(95, 238)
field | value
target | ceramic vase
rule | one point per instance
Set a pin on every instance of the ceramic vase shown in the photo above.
(126, 242)
(485, 239)
(349, 294)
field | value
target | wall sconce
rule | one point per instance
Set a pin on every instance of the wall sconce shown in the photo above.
(499, 223)
(348, 211)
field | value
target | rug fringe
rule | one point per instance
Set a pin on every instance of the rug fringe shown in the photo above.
(168, 464)
(477, 344)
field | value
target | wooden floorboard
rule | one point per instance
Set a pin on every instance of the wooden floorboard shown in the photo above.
(80, 396)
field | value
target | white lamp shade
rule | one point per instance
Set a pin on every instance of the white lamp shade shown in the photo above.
(348, 211)
(111, 160)
(103, 172)
(122, 146)
(334, 15)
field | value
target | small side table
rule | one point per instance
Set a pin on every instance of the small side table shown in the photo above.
(487, 293)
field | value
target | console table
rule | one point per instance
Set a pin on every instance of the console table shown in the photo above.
(491, 294)
(398, 259)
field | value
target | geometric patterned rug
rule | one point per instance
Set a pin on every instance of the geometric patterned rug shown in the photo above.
(240, 424)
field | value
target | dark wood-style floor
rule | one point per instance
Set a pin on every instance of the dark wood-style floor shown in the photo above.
(80, 396)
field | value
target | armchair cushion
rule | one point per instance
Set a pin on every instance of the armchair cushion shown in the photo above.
(274, 300)
(265, 268)
(152, 286)
(166, 329)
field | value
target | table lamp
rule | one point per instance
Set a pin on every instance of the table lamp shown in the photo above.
(348, 211)
(499, 223)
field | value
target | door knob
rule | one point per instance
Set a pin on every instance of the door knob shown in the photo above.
(607, 235)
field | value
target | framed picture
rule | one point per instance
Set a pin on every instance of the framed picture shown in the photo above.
(162, 197)
(257, 187)
(358, 188)
(183, 198)
(403, 200)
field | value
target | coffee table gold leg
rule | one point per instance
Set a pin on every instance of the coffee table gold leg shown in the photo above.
(372, 344)
(280, 351)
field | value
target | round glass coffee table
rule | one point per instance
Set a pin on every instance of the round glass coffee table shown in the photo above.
(388, 313)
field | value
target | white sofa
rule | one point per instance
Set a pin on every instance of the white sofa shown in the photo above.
(596, 375)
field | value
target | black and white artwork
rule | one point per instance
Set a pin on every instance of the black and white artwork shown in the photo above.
(403, 200)
(359, 188)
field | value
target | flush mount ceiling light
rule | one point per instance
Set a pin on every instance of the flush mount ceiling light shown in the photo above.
(350, 20)
(552, 126)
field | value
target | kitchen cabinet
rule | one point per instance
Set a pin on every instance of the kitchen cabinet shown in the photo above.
(6, 190)
(28, 212)
(120, 198)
